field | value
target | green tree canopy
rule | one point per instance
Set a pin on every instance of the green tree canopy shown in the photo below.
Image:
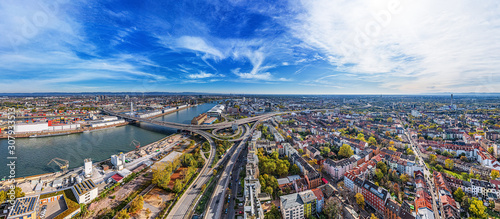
(345, 151)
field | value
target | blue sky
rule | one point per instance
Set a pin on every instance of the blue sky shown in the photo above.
(295, 47)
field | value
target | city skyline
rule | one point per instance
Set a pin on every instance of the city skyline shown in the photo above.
(283, 47)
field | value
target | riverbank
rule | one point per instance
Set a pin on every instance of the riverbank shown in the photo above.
(62, 132)
(147, 149)
(68, 132)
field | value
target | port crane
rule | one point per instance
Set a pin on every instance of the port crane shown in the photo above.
(136, 143)
(63, 164)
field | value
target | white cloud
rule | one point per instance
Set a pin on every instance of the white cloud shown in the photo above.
(198, 44)
(427, 46)
(202, 75)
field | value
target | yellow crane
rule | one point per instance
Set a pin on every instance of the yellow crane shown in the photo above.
(63, 164)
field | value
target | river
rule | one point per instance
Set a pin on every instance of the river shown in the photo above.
(33, 154)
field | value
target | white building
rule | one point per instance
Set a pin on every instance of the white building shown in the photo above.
(118, 161)
(88, 167)
(292, 206)
(85, 191)
(31, 127)
(43, 127)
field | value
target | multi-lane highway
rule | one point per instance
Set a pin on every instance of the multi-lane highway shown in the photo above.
(215, 206)
(184, 205)
(234, 186)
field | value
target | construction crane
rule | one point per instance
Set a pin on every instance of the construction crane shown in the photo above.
(136, 143)
(63, 164)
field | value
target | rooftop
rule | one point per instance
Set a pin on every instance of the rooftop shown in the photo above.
(24, 206)
(84, 187)
(290, 201)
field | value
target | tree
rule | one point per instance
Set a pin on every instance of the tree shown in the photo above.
(300, 151)
(439, 168)
(392, 148)
(269, 190)
(464, 158)
(136, 205)
(494, 174)
(459, 194)
(429, 148)
(148, 212)
(332, 208)
(161, 176)
(490, 150)
(373, 216)
(313, 162)
(19, 192)
(448, 164)
(378, 175)
(361, 137)
(477, 208)
(274, 213)
(465, 176)
(439, 130)
(382, 166)
(409, 151)
(389, 120)
(387, 133)
(432, 158)
(360, 200)
(345, 151)
(325, 150)
(404, 178)
(122, 214)
(372, 140)
(294, 169)
(178, 186)
(3, 196)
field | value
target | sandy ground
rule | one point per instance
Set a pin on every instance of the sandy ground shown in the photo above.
(121, 194)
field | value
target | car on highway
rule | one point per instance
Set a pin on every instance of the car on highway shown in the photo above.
(226, 210)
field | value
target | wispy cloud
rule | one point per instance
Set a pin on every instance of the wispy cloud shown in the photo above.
(203, 75)
(420, 46)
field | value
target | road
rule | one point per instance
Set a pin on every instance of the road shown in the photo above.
(189, 127)
(184, 205)
(234, 186)
(218, 200)
(427, 175)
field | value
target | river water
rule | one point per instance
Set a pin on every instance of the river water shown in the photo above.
(33, 154)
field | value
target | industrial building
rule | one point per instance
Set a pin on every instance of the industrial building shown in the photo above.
(43, 127)
(24, 208)
(106, 121)
(216, 111)
(88, 167)
(118, 161)
(85, 191)
(199, 119)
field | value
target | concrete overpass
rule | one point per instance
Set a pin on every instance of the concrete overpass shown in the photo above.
(190, 127)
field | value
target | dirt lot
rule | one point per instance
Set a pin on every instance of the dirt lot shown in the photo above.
(103, 206)
(154, 201)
